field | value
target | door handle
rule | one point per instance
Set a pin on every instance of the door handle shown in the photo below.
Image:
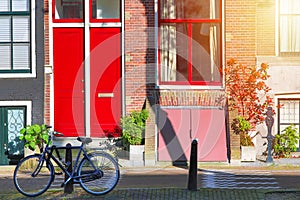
(4, 146)
(105, 95)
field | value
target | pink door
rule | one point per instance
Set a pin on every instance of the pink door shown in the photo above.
(178, 128)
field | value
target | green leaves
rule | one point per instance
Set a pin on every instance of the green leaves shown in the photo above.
(241, 126)
(286, 142)
(34, 135)
(133, 127)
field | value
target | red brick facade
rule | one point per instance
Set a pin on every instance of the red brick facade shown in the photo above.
(246, 36)
(240, 31)
(139, 52)
(47, 98)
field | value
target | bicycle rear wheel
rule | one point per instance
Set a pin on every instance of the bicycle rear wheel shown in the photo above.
(104, 178)
(33, 176)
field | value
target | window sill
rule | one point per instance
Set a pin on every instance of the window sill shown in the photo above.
(279, 60)
(189, 87)
(18, 75)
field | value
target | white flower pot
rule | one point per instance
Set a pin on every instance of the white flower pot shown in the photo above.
(248, 153)
(136, 152)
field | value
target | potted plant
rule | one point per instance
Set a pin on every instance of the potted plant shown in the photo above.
(241, 126)
(133, 127)
(246, 91)
(286, 142)
(34, 136)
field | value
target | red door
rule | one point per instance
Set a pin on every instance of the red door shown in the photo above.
(68, 81)
(105, 81)
(69, 84)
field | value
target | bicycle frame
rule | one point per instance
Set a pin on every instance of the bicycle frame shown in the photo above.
(48, 154)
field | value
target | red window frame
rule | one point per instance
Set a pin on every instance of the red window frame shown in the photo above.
(189, 22)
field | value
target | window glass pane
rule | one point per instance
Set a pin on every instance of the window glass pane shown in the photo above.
(4, 5)
(174, 52)
(190, 9)
(5, 29)
(106, 9)
(20, 5)
(182, 54)
(289, 113)
(68, 9)
(21, 56)
(206, 52)
(289, 6)
(289, 38)
(290, 34)
(21, 29)
(16, 121)
(4, 57)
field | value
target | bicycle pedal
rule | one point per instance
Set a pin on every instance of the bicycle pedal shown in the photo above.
(58, 173)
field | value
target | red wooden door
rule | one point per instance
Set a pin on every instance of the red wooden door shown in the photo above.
(105, 81)
(68, 81)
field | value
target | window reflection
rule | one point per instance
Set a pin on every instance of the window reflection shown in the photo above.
(106, 9)
(69, 9)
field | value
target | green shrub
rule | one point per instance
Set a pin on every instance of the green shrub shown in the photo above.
(133, 127)
(286, 142)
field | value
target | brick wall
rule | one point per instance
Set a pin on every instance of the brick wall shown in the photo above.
(46, 33)
(47, 62)
(240, 30)
(139, 55)
(265, 28)
(47, 99)
(140, 66)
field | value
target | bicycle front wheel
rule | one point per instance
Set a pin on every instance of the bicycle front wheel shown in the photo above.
(33, 175)
(100, 173)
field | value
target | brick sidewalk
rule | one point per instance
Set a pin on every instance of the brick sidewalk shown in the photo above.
(169, 193)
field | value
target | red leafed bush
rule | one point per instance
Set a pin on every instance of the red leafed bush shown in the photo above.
(244, 86)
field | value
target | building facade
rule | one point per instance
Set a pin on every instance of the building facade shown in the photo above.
(105, 58)
(21, 73)
(167, 56)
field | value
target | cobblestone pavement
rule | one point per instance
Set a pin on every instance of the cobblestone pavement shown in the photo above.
(169, 193)
(240, 183)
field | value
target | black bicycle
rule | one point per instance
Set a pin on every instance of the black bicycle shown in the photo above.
(97, 172)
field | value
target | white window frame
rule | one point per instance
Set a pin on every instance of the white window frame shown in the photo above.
(27, 104)
(32, 74)
(277, 97)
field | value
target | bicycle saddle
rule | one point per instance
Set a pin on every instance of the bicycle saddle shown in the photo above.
(85, 140)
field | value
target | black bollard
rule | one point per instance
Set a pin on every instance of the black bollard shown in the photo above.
(68, 189)
(192, 182)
